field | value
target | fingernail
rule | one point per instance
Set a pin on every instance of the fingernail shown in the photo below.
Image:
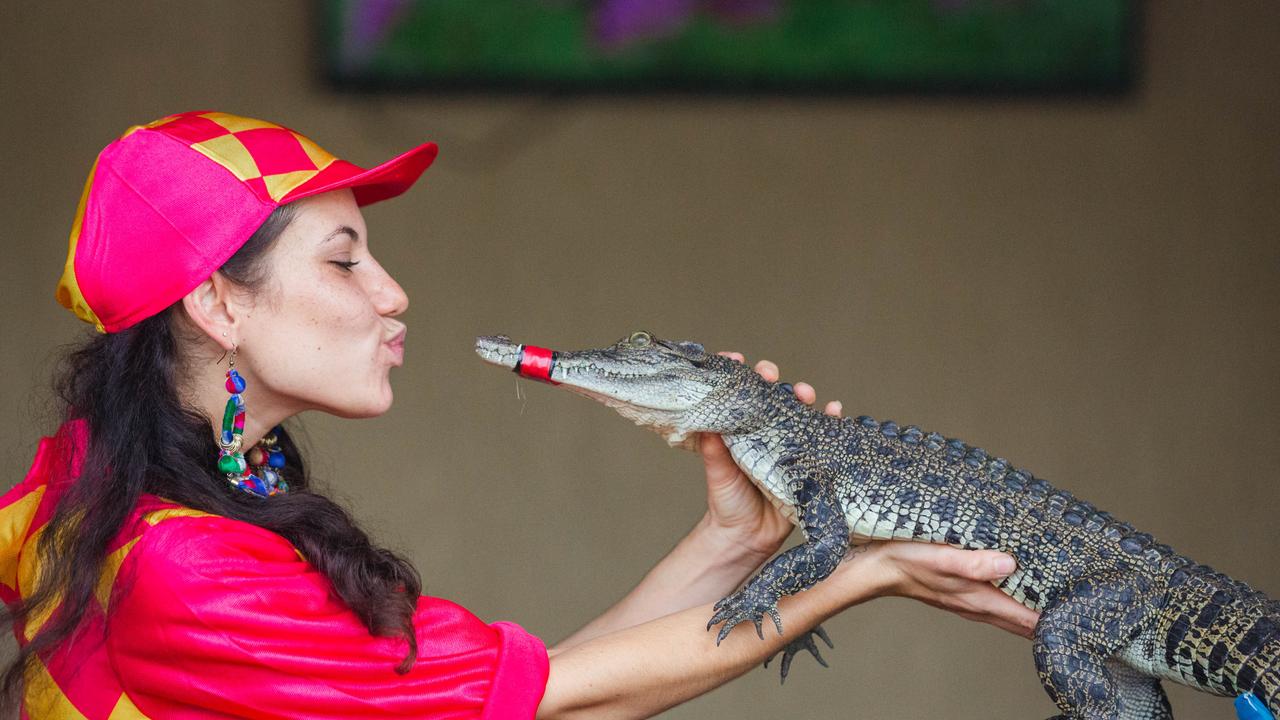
(1005, 565)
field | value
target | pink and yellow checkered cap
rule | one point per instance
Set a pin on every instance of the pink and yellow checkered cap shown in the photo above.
(169, 202)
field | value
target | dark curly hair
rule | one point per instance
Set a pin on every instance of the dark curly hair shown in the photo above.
(142, 438)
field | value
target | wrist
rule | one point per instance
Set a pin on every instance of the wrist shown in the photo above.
(734, 547)
(870, 572)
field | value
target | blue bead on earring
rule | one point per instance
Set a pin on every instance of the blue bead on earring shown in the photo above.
(259, 473)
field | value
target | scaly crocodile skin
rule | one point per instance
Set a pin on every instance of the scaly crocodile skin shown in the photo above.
(1119, 611)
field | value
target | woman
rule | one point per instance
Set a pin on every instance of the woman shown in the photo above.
(166, 557)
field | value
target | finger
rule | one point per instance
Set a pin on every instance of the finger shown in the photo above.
(945, 564)
(835, 408)
(1001, 623)
(805, 392)
(1016, 628)
(733, 355)
(984, 565)
(1002, 612)
(991, 604)
(997, 565)
(768, 370)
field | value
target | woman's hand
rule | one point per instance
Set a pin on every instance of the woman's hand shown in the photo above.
(949, 578)
(736, 510)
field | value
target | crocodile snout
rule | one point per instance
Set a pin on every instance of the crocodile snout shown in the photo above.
(498, 350)
(529, 361)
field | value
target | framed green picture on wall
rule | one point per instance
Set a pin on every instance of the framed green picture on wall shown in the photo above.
(805, 46)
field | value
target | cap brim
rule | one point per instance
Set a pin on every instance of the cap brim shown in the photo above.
(384, 181)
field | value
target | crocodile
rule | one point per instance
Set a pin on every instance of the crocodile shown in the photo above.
(1119, 611)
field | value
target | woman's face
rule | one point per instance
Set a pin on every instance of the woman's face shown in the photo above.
(321, 332)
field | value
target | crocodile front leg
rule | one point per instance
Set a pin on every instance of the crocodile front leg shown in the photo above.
(827, 538)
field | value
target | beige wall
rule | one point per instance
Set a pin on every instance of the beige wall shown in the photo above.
(1088, 288)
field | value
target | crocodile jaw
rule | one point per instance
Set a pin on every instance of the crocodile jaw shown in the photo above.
(667, 424)
(661, 412)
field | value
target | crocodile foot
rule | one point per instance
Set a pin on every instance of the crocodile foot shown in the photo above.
(752, 603)
(804, 642)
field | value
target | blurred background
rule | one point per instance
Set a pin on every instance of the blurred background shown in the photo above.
(1066, 254)
(730, 45)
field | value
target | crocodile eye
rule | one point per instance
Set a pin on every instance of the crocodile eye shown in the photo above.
(640, 339)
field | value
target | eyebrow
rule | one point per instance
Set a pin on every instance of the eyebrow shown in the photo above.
(342, 229)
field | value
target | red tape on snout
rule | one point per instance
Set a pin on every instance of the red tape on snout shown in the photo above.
(536, 363)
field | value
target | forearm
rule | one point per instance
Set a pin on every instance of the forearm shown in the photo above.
(704, 567)
(642, 670)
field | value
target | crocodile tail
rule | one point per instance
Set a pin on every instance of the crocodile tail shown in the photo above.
(1269, 672)
(1259, 649)
(1221, 635)
(1268, 685)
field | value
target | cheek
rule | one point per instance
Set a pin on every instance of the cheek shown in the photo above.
(332, 314)
(320, 336)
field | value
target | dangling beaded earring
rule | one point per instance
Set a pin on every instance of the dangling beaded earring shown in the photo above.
(260, 473)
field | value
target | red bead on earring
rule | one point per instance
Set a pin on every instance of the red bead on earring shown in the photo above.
(259, 473)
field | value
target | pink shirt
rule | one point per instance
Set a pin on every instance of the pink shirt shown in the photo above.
(225, 619)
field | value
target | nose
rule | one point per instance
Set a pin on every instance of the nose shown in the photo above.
(388, 297)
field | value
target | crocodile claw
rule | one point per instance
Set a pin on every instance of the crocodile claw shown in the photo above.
(804, 642)
(746, 604)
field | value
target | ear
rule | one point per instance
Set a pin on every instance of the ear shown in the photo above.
(212, 307)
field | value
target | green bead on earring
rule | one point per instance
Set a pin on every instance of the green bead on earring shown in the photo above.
(265, 458)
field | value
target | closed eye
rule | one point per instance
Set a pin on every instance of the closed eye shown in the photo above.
(346, 265)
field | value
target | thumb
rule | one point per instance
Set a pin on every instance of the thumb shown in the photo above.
(721, 470)
(713, 450)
